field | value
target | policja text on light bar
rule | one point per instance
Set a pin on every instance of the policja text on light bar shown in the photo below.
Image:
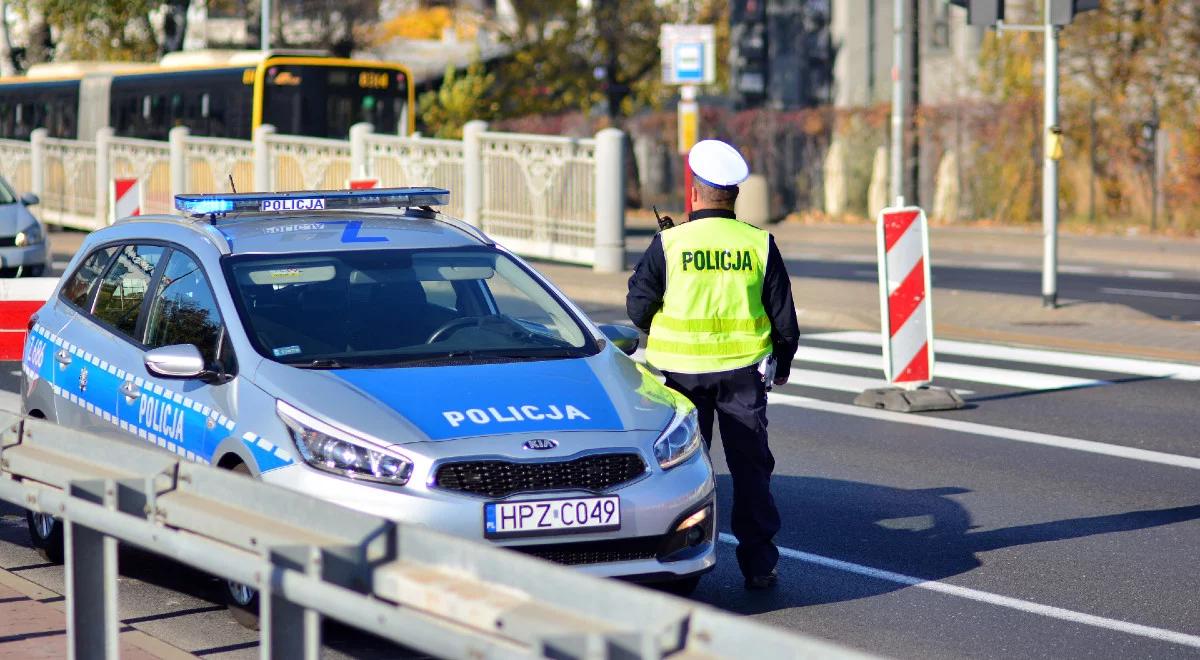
(311, 200)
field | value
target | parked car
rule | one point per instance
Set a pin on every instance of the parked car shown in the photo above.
(23, 250)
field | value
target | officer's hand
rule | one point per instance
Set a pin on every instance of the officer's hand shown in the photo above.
(781, 381)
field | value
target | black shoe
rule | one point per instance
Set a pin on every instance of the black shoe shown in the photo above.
(760, 582)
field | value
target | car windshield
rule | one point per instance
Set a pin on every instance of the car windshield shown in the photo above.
(379, 308)
(7, 196)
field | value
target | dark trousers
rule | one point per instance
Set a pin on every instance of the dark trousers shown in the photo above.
(738, 400)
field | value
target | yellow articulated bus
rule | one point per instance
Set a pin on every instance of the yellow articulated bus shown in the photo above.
(213, 93)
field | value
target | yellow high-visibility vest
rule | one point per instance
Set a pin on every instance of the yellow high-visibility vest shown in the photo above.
(712, 318)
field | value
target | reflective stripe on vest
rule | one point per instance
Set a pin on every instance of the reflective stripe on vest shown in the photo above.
(712, 317)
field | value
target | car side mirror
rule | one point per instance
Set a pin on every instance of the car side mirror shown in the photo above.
(625, 338)
(177, 361)
(30, 199)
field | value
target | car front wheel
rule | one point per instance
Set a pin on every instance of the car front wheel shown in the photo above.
(47, 535)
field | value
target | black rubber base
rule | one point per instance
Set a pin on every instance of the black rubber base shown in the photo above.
(899, 399)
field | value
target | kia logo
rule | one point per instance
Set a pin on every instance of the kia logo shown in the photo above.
(540, 444)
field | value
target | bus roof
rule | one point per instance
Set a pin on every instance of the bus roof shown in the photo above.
(228, 57)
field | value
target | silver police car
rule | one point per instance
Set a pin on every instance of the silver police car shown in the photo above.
(397, 362)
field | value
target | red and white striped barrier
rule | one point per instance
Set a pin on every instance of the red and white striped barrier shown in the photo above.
(906, 310)
(367, 183)
(126, 198)
(19, 299)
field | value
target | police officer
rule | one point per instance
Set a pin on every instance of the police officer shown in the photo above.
(713, 294)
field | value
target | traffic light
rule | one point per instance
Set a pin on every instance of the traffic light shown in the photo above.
(748, 58)
(984, 12)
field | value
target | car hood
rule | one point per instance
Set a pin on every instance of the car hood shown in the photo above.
(605, 392)
(13, 218)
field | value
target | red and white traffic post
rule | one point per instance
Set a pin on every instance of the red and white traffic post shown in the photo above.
(126, 198)
(906, 316)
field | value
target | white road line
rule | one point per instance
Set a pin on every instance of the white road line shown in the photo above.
(1172, 370)
(1146, 293)
(973, 428)
(1027, 606)
(1150, 274)
(826, 380)
(1006, 377)
(1079, 270)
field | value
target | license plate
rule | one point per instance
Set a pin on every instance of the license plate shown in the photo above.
(534, 517)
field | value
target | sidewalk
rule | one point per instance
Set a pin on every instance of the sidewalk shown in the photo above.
(1102, 328)
(33, 624)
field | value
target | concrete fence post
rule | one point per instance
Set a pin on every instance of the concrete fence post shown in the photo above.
(359, 163)
(37, 162)
(176, 140)
(473, 171)
(104, 138)
(610, 202)
(262, 158)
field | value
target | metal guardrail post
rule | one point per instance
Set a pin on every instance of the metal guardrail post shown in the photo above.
(37, 162)
(610, 201)
(91, 577)
(179, 174)
(359, 164)
(104, 138)
(473, 171)
(290, 630)
(262, 158)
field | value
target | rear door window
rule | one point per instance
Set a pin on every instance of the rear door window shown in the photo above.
(119, 300)
(78, 288)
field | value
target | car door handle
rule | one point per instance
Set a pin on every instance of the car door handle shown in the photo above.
(130, 390)
(63, 357)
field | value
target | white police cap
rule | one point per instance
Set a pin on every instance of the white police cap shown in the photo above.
(718, 164)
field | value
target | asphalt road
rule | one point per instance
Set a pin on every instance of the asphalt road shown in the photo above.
(1064, 524)
(1161, 292)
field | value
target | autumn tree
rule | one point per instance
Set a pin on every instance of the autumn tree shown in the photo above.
(461, 98)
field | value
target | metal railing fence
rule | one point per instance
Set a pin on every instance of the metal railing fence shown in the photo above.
(311, 559)
(541, 196)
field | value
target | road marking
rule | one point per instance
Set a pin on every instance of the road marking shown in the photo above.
(974, 428)
(1173, 370)
(1146, 293)
(1150, 274)
(1027, 380)
(826, 380)
(1078, 270)
(989, 598)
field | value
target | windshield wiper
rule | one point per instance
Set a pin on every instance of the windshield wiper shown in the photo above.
(320, 363)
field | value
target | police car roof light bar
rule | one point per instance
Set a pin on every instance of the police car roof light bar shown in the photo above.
(215, 205)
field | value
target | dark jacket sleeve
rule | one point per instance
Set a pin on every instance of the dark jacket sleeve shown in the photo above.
(647, 285)
(777, 300)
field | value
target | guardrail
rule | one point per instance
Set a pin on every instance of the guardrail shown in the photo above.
(311, 559)
(542, 196)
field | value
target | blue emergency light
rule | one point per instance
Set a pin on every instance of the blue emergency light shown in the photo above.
(311, 200)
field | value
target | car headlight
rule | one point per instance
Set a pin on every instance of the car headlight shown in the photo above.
(333, 450)
(679, 441)
(31, 235)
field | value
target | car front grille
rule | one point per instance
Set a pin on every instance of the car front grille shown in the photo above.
(595, 552)
(8, 241)
(498, 478)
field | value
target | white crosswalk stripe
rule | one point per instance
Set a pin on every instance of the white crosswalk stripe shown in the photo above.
(1043, 357)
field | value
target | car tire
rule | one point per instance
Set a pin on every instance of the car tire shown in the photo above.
(46, 533)
(681, 587)
(242, 601)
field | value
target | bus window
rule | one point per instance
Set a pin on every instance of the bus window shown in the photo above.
(351, 95)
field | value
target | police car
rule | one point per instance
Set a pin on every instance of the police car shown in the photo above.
(398, 362)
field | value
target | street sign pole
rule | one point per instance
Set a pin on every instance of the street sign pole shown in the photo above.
(689, 124)
(1050, 168)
